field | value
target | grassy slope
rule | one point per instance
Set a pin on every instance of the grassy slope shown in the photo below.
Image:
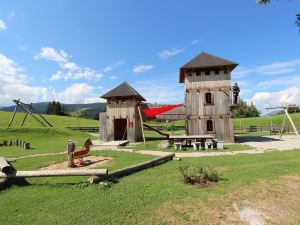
(42, 140)
(153, 196)
(254, 121)
(56, 121)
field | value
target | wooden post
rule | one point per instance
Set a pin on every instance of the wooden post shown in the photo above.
(13, 116)
(144, 139)
(31, 114)
(282, 128)
(291, 121)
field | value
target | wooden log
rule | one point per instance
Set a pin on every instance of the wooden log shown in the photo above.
(4, 165)
(55, 173)
(131, 169)
(26, 145)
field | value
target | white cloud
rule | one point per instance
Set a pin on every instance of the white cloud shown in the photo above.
(75, 93)
(23, 47)
(2, 25)
(70, 69)
(165, 54)
(289, 81)
(142, 68)
(113, 66)
(165, 90)
(194, 42)
(14, 84)
(113, 77)
(279, 98)
(270, 69)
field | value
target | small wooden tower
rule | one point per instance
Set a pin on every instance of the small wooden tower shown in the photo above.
(208, 96)
(121, 120)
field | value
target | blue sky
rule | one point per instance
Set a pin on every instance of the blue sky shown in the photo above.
(74, 51)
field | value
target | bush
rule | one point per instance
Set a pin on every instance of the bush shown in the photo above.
(199, 175)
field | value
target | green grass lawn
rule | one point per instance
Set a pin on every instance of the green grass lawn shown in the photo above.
(42, 140)
(277, 120)
(56, 121)
(152, 196)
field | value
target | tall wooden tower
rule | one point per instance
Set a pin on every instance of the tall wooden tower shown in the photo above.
(121, 120)
(208, 96)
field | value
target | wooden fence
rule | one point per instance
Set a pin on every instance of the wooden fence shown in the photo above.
(85, 129)
(287, 129)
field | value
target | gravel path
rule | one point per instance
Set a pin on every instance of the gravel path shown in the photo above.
(261, 144)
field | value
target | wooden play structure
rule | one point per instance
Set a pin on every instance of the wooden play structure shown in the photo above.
(208, 96)
(122, 120)
(29, 111)
(81, 152)
(287, 115)
(209, 101)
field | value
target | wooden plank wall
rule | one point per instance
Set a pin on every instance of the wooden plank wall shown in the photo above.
(124, 110)
(197, 112)
(103, 126)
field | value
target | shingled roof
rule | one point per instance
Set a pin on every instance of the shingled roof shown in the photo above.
(206, 61)
(123, 90)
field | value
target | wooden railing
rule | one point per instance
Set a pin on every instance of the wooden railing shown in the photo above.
(85, 129)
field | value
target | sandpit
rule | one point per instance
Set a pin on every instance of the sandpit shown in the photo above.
(88, 162)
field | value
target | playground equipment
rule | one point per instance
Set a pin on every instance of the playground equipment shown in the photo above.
(80, 153)
(285, 109)
(29, 110)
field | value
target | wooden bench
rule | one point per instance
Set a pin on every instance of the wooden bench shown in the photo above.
(178, 145)
(275, 131)
(196, 145)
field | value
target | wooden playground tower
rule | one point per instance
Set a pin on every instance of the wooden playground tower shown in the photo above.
(287, 115)
(29, 110)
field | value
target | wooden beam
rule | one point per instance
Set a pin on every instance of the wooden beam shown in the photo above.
(13, 116)
(291, 121)
(132, 169)
(31, 114)
(142, 125)
(282, 128)
(55, 173)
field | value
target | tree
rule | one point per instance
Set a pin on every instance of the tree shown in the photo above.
(246, 110)
(55, 108)
(297, 22)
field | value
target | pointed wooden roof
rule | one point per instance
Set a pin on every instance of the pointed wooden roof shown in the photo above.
(206, 61)
(121, 91)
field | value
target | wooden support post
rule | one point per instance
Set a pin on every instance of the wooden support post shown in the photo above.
(13, 116)
(282, 128)
(43, 118)
(142, 125)
(31, 114)
(291, 121)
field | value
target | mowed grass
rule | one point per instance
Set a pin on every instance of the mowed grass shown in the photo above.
(153, 142)
(277, 120)
(152, 196)
(42, 140)
(55, 121)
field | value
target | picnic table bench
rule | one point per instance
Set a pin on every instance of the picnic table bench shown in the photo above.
(190, 140)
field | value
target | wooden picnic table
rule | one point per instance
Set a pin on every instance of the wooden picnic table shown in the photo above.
(187, 139)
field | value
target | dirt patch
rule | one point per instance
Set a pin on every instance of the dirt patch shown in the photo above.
(88, 162)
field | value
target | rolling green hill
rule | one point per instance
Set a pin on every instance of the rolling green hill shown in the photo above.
(56, 121)
(277, 120)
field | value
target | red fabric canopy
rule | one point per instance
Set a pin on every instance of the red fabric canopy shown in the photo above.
(156, 111)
